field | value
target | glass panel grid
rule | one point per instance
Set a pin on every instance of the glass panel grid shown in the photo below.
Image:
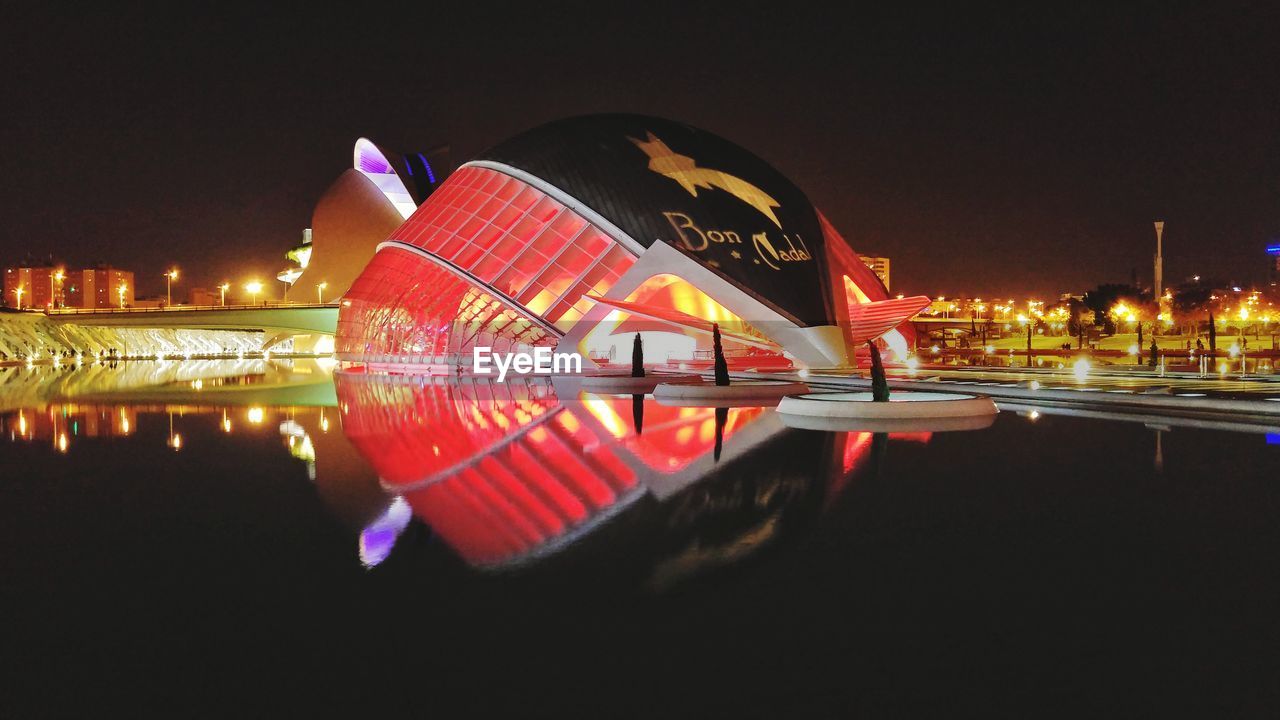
(525, 243)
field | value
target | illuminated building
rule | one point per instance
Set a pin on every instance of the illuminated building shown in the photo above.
(99, 287)
(359, 210)
(581, 231)
(879, 266)
(36, 284)
(90, 288)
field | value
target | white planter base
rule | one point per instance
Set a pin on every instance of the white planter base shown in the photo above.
(905, 411)
(740, 394)
(887, 425)
(627, 385)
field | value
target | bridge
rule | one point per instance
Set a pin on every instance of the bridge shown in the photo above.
(182, 329)
(298, 319)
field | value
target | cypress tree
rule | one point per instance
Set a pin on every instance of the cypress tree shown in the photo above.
(879, 384)
(721, 365)
(1155, 349)
(1140, 343)
(637, 413)
(1213, 337)
(637, 358)
(722, 418)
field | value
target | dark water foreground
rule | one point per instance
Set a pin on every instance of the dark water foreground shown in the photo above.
(457, 550)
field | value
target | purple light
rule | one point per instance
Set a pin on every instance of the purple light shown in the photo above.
(1273, 249)
(431, 176)
(371, 160)
(379, 537)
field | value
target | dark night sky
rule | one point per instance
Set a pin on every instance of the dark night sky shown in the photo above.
(1013, 152)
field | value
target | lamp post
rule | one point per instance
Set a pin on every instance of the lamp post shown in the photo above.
(253, 288)
(1159, 264)
(54, 277)
(19, 291)
(320, 286)
(223, 289)
(120, 291)
(169, 277)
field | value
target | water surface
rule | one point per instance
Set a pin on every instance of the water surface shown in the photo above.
(256, 541)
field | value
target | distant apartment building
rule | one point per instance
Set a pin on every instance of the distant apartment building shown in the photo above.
(99, 287)
(51, 286)
(31, 287)
(879, 266)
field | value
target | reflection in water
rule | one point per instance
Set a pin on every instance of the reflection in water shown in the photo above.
(379, 537)
(280, 381)
(505, 474)
(489, 520)
(510, 473)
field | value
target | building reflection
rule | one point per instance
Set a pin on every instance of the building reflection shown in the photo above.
(509, 474)
(60, 423)
(506, 475)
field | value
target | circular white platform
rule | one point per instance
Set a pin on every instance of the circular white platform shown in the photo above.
(921, 407)
(740, 393)
(888, 425)
(627, 385)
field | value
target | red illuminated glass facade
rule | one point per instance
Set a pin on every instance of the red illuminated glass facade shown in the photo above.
(519, 241)
(407, 308)
(516, 265)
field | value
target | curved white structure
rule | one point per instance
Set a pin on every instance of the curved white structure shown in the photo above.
(913, 409)
(750, 391)
(373, 164)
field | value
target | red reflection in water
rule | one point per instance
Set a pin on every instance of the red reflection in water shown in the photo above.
(499, 470)
(673, 437)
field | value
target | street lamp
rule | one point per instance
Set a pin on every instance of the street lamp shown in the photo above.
(223, 289)
(19, 291)
(320, 286)
(120, 291)
(54, 277)
(253, 288)
(169, 277)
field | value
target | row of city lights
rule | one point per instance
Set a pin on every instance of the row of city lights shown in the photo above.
(1249, 309)
(253, 287)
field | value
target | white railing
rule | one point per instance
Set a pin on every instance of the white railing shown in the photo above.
(180, 308)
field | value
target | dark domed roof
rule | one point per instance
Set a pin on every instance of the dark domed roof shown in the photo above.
(659, 180)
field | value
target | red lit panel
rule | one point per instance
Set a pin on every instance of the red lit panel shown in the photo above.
(411, 309)
(525, 244)
(843, 261)
(870, 320)
(673, 436)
